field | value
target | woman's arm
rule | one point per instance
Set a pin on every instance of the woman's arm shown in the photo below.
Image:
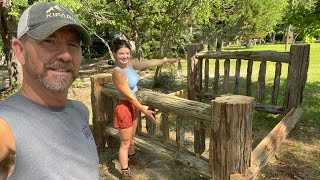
(120, 81)
(7, 150)
(153, 62)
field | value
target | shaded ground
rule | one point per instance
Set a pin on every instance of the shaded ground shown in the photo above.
(158, 169)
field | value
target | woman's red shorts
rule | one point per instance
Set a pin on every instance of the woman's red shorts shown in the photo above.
(124, 114)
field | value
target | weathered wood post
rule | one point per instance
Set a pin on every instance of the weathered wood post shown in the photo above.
(98, 107)
(230, 136)
(192, 64)
(297, 75)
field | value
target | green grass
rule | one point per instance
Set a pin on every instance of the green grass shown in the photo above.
(311, 101)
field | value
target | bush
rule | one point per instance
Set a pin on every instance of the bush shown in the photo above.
(165, 80)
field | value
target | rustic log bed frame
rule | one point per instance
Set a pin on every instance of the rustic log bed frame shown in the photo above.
(229, 115)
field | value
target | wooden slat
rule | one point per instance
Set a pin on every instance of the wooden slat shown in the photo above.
(180, 132)
(237, 77)
(216, 78)
(199, 165)
(151, 127)
(165, 127)
(273, 56)
(108, 110)
(199, 138)
(261, 89)
(226, 76)
(276, 83)
(199, 75)
(270, 144)
(249, 79)
(139, 126)
(206, 75)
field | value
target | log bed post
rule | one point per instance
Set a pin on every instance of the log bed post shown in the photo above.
(98, 107)
(192, 64)
(230, 136)
(297, 75)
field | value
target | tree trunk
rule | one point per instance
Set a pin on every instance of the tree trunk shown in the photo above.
(219, 45)
(8, 28)
(134, 28)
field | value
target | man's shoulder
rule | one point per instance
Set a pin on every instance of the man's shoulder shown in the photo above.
(7, 103)
(76, 104)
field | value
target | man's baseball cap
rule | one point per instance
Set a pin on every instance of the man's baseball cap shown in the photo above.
(42, 19)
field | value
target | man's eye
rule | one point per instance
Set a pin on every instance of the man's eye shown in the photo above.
(49, 41)
(73, 45)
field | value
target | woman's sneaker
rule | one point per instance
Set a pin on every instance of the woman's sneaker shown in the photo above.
(128, 175)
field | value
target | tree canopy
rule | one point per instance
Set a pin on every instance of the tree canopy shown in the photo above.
(160, 27)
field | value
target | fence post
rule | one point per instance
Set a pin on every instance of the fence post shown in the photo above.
(98, 107)
(230, 136)
(192, 64)
(297, 75)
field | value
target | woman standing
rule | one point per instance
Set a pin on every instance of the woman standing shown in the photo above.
(126, 112)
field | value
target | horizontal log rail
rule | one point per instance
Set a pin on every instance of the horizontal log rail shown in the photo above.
(167, 103)
(273, 56)
(269, 108)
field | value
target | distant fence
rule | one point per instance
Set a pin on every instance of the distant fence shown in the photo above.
(229, 117)
(297, 60)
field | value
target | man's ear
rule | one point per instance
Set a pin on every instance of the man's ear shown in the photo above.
(18, 49)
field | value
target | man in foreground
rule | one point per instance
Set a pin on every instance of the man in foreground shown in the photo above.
(44, 135)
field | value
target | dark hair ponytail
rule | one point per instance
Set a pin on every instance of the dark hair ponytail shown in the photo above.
(120, 43)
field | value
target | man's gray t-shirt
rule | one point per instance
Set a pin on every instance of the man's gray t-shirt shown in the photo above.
(51, 142)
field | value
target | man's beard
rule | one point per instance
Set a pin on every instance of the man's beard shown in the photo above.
(57, 83)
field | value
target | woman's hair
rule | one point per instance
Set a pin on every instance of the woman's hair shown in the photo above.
(120, 43)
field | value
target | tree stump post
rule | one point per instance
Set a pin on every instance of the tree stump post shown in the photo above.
(297, 75)
(99, 119)
(192, 64)
(230, 136)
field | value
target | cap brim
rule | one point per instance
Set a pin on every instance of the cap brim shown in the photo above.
(44, 30)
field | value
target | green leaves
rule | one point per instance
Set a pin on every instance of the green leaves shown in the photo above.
(304, 17)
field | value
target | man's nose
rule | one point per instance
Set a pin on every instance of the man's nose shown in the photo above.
(64, 53)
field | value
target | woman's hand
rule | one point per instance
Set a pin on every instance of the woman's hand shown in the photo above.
(170, 61)
(150, 115)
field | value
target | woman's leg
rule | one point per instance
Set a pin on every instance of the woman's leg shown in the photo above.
(133, 159)
(125, 138)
